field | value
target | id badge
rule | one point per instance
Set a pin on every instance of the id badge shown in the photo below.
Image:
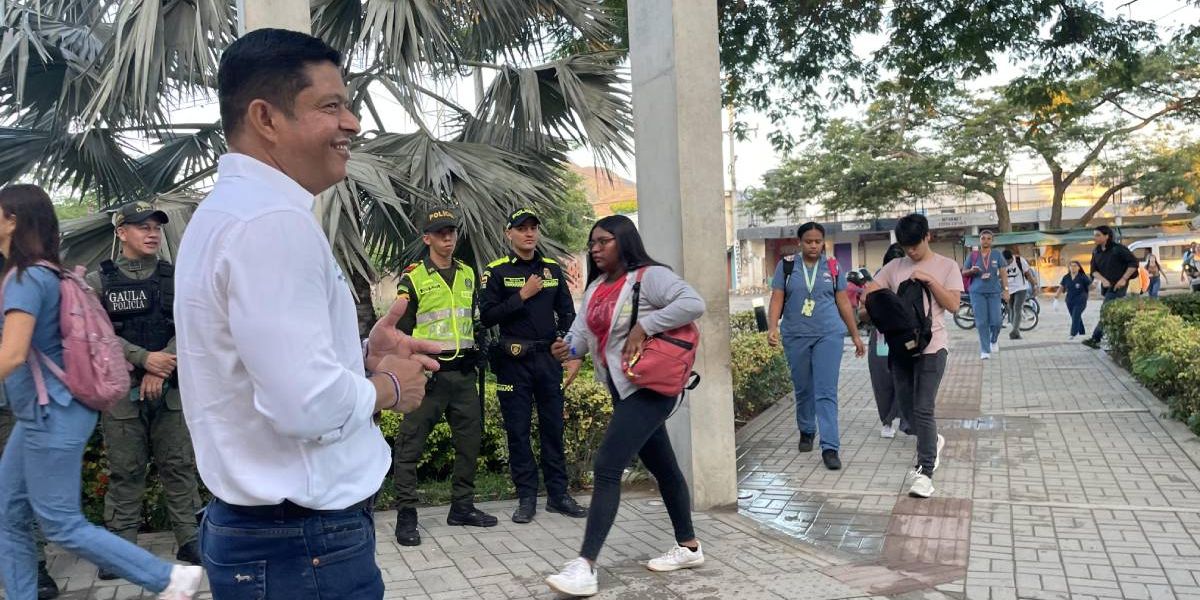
(807, 309)
(986, 275)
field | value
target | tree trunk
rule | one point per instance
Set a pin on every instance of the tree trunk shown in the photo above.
(362, 301)
(1003, 215)
(1056, 207)
(1100, 203)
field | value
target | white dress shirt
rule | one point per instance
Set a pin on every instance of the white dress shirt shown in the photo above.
(270, 363)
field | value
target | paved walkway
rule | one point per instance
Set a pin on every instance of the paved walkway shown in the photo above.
(1060, 479)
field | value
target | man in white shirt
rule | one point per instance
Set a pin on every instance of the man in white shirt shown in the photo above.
(271, 366)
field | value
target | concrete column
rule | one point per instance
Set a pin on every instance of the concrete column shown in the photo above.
(675, 70)
(281, 14)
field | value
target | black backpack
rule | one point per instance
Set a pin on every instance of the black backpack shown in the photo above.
(904, 317)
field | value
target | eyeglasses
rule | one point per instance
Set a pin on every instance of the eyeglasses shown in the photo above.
(599, 242)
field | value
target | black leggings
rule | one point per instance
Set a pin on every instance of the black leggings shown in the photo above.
(637, 428)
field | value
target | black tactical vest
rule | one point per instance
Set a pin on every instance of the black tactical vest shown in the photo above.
(140, 309)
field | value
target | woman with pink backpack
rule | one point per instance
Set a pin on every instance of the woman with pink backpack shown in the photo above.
(39, 470)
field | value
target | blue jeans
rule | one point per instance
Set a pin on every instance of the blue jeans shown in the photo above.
(986, 307)
(1109, 296)
(1076, 311)
(330, 555)
(1155, 286)
(39, 476)
(814, 363)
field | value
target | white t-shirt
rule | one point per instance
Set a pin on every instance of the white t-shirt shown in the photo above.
(1016, 274)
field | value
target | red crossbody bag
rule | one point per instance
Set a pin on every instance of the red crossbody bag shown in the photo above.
(664, 362)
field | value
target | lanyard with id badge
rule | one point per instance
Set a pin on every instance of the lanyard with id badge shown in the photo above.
(987, 270)
(810, 280)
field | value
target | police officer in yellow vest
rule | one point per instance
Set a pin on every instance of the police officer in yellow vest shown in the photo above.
(441, 292)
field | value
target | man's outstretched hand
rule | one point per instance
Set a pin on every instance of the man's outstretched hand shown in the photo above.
(386, 340)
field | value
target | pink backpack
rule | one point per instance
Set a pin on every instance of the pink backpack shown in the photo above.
(96, 371)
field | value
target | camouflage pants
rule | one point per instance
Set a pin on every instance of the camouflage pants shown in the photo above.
(7, 420)
(134, 433)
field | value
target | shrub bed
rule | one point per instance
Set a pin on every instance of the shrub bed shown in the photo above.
(1159, 342)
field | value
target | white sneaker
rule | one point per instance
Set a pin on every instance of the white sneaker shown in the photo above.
(578, 578)
(677, 558)
(984, 356)
(887, 431)
(922, 486)
(937, 458)
(995, 348)
(185, 582)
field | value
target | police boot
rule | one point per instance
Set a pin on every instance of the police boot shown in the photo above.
(566, 505)
(465, 513)
(105, 575)
(406, 527)
(189, 553)
(46, 588)
(526, 508)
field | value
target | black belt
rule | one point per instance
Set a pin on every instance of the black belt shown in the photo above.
(290, 510)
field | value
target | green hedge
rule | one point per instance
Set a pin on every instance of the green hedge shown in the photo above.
(760, 377)
(1159, 342)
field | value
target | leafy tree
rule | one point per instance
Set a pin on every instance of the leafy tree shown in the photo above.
(1161, 169)
(570, 219)
(624, 207)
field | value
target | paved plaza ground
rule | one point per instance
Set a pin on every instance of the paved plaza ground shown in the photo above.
(1061, 478)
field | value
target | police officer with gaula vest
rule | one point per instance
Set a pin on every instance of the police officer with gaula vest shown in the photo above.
(526, 294)
(137, 289)
(441, 294)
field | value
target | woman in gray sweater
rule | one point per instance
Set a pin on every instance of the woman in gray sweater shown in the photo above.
(638, 423)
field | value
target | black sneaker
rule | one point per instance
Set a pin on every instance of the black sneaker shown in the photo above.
(1015, 335)
(46, 587)
(526, 508)
(1091, 343)
(467, 514)
(832, 462)
(189, 553)
(806, 442)
(566, 505)
(406, 527)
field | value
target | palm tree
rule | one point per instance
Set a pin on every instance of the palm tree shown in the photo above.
(85, 82)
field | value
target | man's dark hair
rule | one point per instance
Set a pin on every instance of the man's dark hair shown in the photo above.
(1108, 232)
(267, 64)
(911, 230)
(1007, 254)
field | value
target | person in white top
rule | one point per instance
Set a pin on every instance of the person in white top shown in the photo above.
(1020, 276)
(271, 367)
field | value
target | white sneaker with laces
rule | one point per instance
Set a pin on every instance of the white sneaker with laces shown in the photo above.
(887, 431)
(185, 583)
(922, 485)
(677, 558)
(984, 356)
(937, 458)
(578, 578)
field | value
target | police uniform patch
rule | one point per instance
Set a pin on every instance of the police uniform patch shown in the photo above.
(546, 273)
(483, 280)
(515, 349)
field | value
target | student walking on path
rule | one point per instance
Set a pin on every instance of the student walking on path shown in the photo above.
(810, 297)
(39, 473)
(882, 386)
(1113, 265)
(1021, 279)
(987, 290)
(1075, 284)
(617, 260)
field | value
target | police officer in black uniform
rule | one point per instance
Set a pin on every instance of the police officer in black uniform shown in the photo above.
(526, 294)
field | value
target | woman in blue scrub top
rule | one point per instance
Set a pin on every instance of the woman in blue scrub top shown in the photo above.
(816, 316)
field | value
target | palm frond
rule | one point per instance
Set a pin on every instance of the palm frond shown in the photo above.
(21, 149)
(521, 28)
(578, 99)
(92, 160)
(181, 157)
